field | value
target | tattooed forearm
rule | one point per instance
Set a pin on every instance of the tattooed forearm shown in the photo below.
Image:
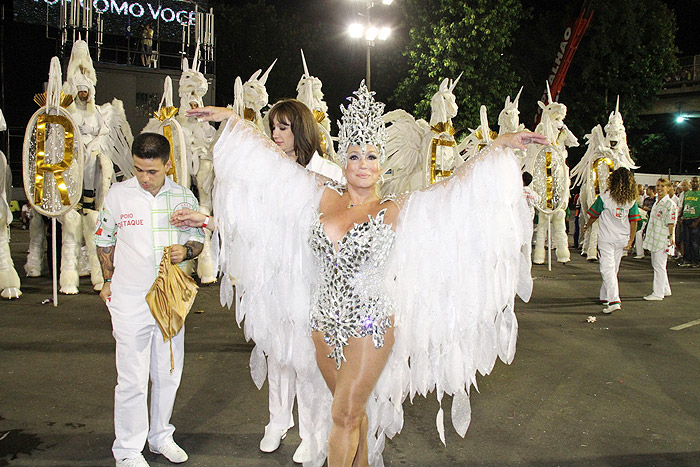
(106, 257)
(197, 247)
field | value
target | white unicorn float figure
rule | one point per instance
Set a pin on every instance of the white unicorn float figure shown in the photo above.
(478, 138)
(550, 180)
(52, 165)
(309, 92)
(509, 121)
(9, 279)
(420, 153)
(164, 122)
(198, 139)
(606, 152)
(106, 137)
(250, 98)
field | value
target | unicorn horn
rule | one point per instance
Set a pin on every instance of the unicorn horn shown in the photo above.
(303, 61)
(263, 78)
(515, 101)
(167, 93)
(195, 58)
(617, 105)
(454, 83)
(549, 93)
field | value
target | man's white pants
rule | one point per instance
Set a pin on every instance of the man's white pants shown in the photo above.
(661, 286)
(282, 384)
(609, 261)
(638, 241)
(141, 352)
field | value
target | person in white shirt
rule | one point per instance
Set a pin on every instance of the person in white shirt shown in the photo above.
(660, 238)
(532, 199)
(132, 231)
(617, 212)
(639, 236)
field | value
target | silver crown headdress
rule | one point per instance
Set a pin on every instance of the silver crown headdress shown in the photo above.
(362, 124)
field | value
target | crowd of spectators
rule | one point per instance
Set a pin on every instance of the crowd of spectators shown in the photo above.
(687, 232)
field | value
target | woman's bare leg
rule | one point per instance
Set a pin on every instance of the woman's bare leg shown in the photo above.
(351, 386)
(362, 456)
(325, 364)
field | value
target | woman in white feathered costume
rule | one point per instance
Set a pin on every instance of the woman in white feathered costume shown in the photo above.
(352, 268)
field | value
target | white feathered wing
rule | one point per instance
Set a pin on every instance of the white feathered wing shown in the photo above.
(407, 147)
(117, 143)
(456, 267)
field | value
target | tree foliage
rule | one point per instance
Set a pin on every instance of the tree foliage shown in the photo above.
(448, 37)
(628, 51)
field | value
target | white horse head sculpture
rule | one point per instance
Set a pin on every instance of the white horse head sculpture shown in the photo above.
(443, 104)
(615, 132)
(81, 75)
(309, 90)
(80, 62)
(253, 91)
(509, 118)
(193, 85)
(553, 115)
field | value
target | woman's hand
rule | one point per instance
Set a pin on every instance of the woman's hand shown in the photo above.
(519, 140)
(187, 218)
(210, 113)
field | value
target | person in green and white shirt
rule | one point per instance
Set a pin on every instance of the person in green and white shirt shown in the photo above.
(131, 233)
(617, 212)
(691, 225)
(660, 239)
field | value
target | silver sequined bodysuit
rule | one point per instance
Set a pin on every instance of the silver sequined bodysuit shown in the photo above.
(350, 298)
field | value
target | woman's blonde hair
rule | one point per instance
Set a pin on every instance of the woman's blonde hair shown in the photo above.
(622, 186)
(307, 138)
(667, 184)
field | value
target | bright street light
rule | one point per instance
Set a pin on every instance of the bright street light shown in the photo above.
(356, 30)
(681, 119)
(384, 33)
(371, 33)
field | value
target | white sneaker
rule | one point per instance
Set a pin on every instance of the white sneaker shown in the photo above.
(610, 308)
(653, 298)
(303, 452)
(639, 257)
(272, 439)
(133, 462)
(170, 451)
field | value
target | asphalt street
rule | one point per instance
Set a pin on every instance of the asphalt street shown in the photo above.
(623, 390)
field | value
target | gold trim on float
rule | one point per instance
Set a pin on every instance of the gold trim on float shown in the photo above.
(611, 166)
(66, 99)
(56, 169)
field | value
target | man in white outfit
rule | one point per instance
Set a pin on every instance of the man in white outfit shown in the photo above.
(132, 230)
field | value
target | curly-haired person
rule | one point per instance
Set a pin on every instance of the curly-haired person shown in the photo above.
(618, 213)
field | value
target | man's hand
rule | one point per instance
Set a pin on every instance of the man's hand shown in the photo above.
(106, 292)
(178, 253)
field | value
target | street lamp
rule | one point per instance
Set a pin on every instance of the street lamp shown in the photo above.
(371, 33)
(682, 121)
